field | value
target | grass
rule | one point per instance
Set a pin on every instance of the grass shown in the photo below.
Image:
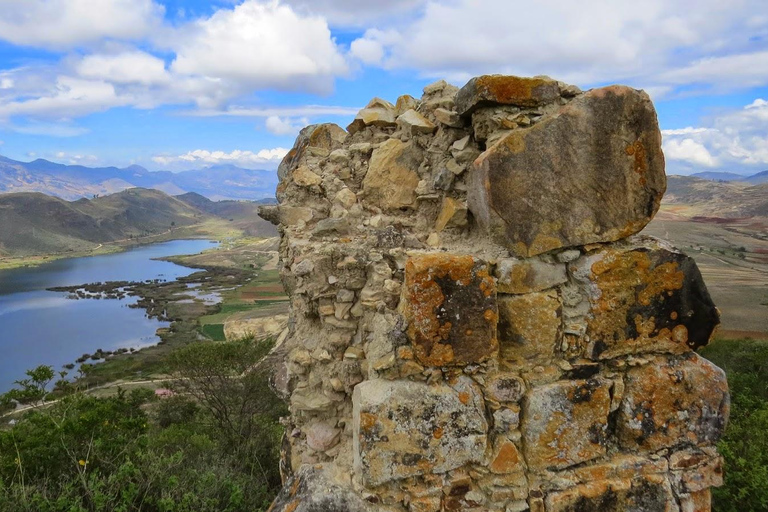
(214, 331)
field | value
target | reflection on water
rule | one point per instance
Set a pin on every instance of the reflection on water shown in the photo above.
(41, 327)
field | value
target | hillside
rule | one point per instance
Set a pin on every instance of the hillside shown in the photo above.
(72, 182)
(36, 224)
(244, 215)
(727, 200)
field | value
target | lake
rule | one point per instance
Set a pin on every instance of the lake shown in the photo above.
(41, 327)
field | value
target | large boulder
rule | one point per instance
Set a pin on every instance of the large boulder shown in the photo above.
(592, 173)
(489, 90)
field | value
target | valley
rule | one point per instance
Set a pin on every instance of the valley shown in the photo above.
(724, 227)
(35, 228)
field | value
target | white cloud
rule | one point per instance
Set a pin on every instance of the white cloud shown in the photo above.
(597, 41)
(726, 72)
(67, 23)
(356, 12)
(130, 67)
(302, 110)
(690, 151)
(243, 158)
(371, 48)
(6, 83)
(47, 129)
(260, 45)
(285, 126)
(69, 97)
(735, 140)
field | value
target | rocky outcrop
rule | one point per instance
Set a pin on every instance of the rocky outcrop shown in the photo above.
(475, 323)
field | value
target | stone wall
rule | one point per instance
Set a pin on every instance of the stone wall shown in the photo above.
(475, 323)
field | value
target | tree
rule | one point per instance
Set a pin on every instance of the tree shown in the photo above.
(230, 381)
(34, 389)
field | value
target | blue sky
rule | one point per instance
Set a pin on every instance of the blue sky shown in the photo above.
(181, 84)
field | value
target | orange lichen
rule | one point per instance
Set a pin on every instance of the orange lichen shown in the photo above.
(442, 337)
(464, 397)
(637, 150)
(367, 421)
(512, 90)
(628, 280)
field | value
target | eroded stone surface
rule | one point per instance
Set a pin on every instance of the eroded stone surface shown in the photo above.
(449, 303)
(529, 325)
(566, 423)
(311, 490)
(647, 300)
(593, 173)
(403, 429)
(391, 180)
(652, 493)
(505, 90)
(673, 401)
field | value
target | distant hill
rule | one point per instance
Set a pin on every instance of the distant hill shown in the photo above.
(243, 214)
(727, 200)
(755, 179)
(34, 223)
(75, 181)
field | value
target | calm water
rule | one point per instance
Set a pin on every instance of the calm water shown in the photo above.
(41, 327)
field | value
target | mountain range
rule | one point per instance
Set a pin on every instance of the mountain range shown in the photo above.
(755, 179)
(73, 182)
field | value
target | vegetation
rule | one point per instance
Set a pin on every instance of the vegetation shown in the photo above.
(214, 446)
(745, 444)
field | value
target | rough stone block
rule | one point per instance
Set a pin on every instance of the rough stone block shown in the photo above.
(592, 173)
(651, 493)
(450, 305)
(391, 179)
(647, 300)
(403, 429)
(673, 401)
(526, 276)
(312, 490)
(325, 137)
(488, 90)
(506, 458)
(565, 423)
(378, 112)
(529, 325)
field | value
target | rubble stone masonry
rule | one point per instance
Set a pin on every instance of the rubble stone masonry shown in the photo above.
(475, 323)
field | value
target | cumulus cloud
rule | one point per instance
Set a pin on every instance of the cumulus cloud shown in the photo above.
(68, 97)
(690, 151)
(67, 23)
(735, 140)
(261, 45)
(356, 12)
(277, 125)
(242, 158)
(130, 67)
(631, 44)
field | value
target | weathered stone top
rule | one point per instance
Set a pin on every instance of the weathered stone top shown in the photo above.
(475, 323)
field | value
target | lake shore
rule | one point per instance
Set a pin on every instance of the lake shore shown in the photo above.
(210, 229)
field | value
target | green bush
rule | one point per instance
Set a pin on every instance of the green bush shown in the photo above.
(131, 452)
(745, 444)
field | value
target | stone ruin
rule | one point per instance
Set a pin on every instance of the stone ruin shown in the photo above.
(475, 323)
